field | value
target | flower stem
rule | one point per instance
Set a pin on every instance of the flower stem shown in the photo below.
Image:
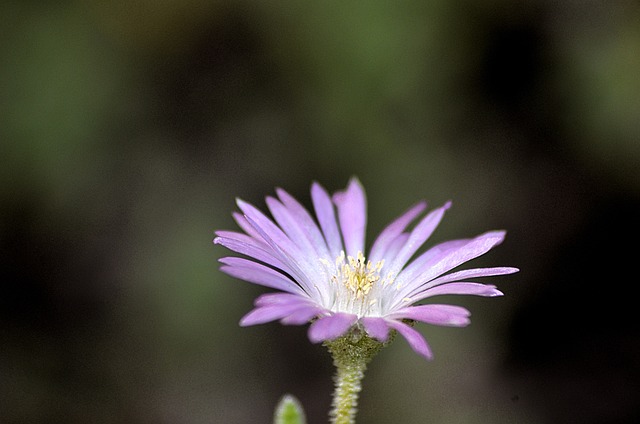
(351, 354)
(345, 398)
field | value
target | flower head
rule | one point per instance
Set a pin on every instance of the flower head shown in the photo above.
(321, 273)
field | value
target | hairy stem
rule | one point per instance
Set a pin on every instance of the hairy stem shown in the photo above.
(351, 354)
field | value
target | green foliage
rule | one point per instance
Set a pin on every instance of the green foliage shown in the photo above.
(289, 411)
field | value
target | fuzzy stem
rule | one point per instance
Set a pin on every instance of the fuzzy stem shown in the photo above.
(348, 385)
(351, 354)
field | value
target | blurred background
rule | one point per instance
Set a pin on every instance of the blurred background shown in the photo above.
(128, 128)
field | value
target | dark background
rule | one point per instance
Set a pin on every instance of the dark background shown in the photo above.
(127, 129)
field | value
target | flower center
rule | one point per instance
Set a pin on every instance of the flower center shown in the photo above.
(359, 275)
(355, 279)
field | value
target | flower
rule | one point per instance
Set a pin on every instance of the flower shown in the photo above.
(322, 274)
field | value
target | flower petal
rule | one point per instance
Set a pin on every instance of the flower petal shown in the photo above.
(473, 273)
(452, 256)
(301, 309)
(417, 237)
(269, 231)
(303, 315)
(264, 314)
(459, 275)
(393, 230)
(445, 315)
(256, 273)
(352, 215)
(475, 289)
(476, 247)
(415, 339)
(376, 328)
(269, 299)
(291, 226)
(331, 327)
(327, 219)
(246, 227)
(395, 246)
(306, 222)
(245, 245)
(424, 260)
(288, 253)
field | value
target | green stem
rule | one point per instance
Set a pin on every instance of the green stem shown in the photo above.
(351, 354)
(345, 398)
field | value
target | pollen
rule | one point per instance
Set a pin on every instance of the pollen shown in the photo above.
(357, 274)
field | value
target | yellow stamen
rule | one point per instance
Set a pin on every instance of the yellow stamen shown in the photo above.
(359, 275)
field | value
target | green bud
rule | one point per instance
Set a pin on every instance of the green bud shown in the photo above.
(289, 411)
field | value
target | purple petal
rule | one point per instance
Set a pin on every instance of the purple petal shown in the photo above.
(327, 219)
(395, 246)
(270, 299)
(352, 215)
(245, 245)
(256, 273)
(306, 223)
(246, 227)
(291, 227)
(255, 216)
(302, 315)
(449, 258)
(418, 236)
(290, 255)
(424, 260)
(476, 247)
(303, 308)
(331, 327)
(393, 230)
(415, 339)
(376, 328)
(268, 230)
(475, 289)
(473, 273)
(446, 315)
(265, 314)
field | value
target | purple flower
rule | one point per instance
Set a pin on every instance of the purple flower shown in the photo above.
(321, 273)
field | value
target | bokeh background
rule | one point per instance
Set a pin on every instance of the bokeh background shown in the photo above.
(127, 129)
